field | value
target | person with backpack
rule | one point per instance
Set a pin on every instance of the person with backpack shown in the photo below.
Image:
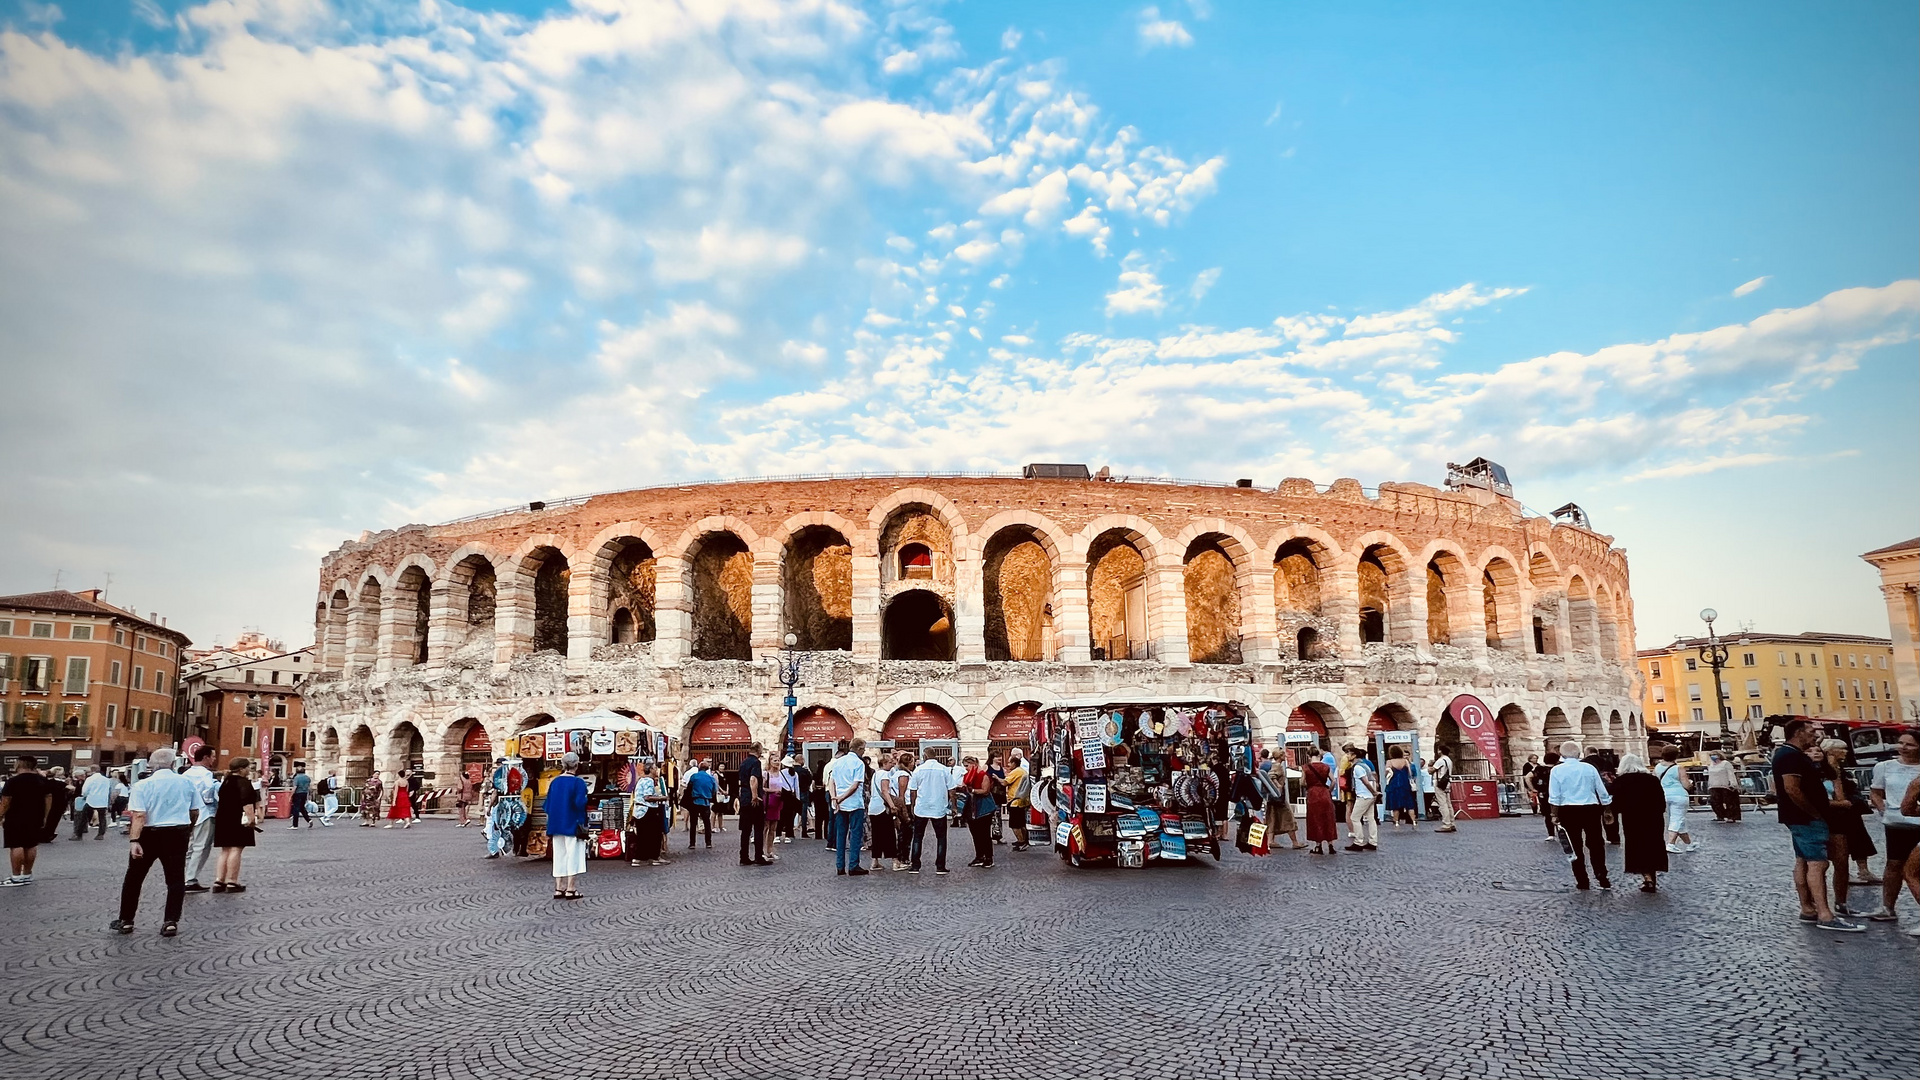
(1442, 771)
(701, 791)
(979, 811)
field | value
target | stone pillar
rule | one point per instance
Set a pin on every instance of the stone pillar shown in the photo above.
(446, 622)
(1167, 611)
(672, 611)
(1340, 601)
(1259, 622)
(1072, 630)
(1903, 623)
(395, 619)
(512, 615)
(363, 637)
(1467, 621)
(969, 610)
(768, 634)
(1407, 622)
(587, 623)
(865, 574)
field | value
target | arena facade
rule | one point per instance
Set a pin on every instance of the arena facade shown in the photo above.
(929, 607)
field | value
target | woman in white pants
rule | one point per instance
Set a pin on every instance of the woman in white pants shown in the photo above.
(1673, 783)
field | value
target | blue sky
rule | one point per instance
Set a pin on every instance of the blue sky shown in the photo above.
(283, 270)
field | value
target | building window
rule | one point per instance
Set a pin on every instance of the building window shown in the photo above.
(1796, 660)
(273, 676)
(6, 671)
(306, 737)
(249, 675)
(1655, 665)
(279, 740)
(1659, 693)
(1886, 691)
(1883, 663)
(113, 673)
(159, 682)
(113, 715)
(280, 709)
(1816, 688)
(1852, 660)
(1662, 714)
(1753, 687)
(133, 719)
(1692, 664)
(1839, 689)
(1746, 659)
(1699, 716)
(1783, 658)
(1836, 659)
(36, 674)
(119, 636)
(6, 627)
(1856, 689)
(76, 677)
(139, 643)
(1803, 687)
(1871, 696)
(1755, 712)
(43, 629)
(246, 737)
(1876, 712)
(80, 633)
(1786, 688)
(1693, 691)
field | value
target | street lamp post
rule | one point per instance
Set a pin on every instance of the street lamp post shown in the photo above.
(789, 678)
(1714, 652)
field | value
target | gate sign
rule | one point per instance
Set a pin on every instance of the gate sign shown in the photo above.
(1476, 723)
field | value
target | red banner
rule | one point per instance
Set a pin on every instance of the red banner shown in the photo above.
(1476, 723)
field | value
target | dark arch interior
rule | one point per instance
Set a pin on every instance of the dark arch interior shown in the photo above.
(917, 627)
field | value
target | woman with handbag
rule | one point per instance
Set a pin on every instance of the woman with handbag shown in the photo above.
(1673, 781)
(1842, 816)
(646, 827)
(1322, 827)
(979, 810)
(235, 820)
(1860, 845)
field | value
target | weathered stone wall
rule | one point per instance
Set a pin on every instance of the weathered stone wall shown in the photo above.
(1018, 590)
(819, 589)
(550, 585)
(1213, 607)
(1116, 564)
(723, 599)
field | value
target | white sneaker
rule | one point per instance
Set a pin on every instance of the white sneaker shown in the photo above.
(1693, 845)
(1912, 931)
(1675, 849)
(14, 882)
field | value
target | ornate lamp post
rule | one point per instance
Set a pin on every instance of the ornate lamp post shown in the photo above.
(1714, 652)
(789, 678)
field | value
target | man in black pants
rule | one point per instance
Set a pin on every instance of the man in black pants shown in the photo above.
(1578, 795)
(162, 810)
(1608, 766)
(750, 786)
(1540, 778)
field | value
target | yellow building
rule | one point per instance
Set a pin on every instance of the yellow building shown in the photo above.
(1829, 676)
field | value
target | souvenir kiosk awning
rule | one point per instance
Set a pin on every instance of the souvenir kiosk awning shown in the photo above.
(597, 720)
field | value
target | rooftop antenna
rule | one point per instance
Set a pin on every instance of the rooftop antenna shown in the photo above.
(56, 579)
(109, 588)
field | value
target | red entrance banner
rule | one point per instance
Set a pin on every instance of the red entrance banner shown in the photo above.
(1014, 724)
(920, 721)
(1380, 721)
(1477, 723)
(1305, 719)
(820, 724)
(721, 728)
(476, 741)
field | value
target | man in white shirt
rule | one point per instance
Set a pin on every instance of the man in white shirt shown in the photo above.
(1442, 772)
(1891, 778)
(1363, 830)
(162, 810)
(1577, 793)
(847, 794)
(930, 791)
(96, 804)
(205, 785)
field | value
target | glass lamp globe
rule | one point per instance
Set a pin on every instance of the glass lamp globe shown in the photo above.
(1708, 614)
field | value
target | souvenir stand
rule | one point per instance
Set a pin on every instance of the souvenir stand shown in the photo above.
(612, 747)
(1129, 777)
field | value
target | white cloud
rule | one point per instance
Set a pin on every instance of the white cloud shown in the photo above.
(1752, 286)
(1139, 291)
(1203, 282)
(1009, 39)
(1156, 31)
(1707, 465)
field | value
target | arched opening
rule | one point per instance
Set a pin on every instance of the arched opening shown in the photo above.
(329, 751)
(1543, 637)
(1307, 643)
(1593, 729)
(1557, 729)
(1582, 618)
(1448, 614)
(818, 592)
(1500, 600)
(1320, 719)
(911, 725)
(1117, 598)
(1296, 578)
(365, 643)
(1375, 601)
(1018, 592)
(467, 749)
(413, 595)
(1213, 604)
(631, 586)
(819, 724)
(722, 735)
(722, 570)
(1512, 723)
(916, 626)
(1439, 626)
(550, 573)
(916, 545)
(1547, 595)
(358, 764)
(473, 591)
(1607, 625)
(1012, 728)
(338, 607)
(1389, 717)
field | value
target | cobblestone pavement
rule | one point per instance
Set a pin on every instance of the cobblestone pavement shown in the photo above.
(360, 953)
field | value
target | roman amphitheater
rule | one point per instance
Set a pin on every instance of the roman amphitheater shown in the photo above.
(922, 608)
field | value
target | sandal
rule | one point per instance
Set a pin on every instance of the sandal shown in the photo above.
(559, 896)
(170, 929)
(219, 886)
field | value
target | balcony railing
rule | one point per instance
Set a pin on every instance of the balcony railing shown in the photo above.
(48, 729)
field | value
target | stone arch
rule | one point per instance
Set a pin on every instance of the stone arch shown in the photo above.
(916, 624)
(1382, 574)
(327, 750)
(917, 547)
(963, 718)
(1593, 729)
(357, 760)
(816, 570)
(1556, 728)
(365, 617)
(624, 579)
(719, 582)
(446, 757)
(1608, 642)
(1582, 616)
(1449, 616)
(412, 603)
(404, 747)
(1217, 589)
(1500, 602)
(1123, 587)
(473, 589)
(338, 613)
(1543, 577)
(1019, 581)
(1040, 695)
(1516, 725)
(1335, 710)
(765, 729)
(940, 505)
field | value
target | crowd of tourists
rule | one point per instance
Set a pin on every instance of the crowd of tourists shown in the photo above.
(892, 811)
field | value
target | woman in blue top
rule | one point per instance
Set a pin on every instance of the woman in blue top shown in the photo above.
(566, 808)
(1673, 782)
(1400, 801)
